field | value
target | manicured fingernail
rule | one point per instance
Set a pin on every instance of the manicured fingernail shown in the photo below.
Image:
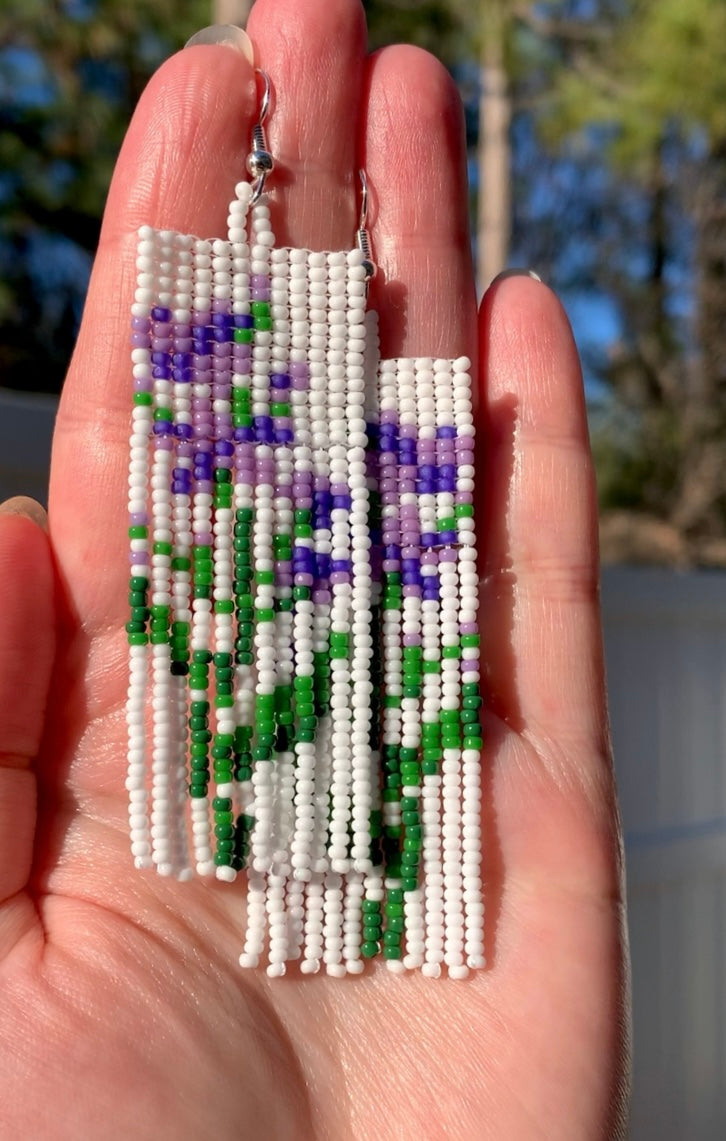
(517, 273)
(226, 34)
(24, 505)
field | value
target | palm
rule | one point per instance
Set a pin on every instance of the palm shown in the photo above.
(124, 1007)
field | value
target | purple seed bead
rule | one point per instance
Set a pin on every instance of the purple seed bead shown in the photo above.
(203, 539)
(138, 518)
(138, 557)
(140, 341)
(140, 324)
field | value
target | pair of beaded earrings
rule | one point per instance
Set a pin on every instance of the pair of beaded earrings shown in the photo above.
(304, 655)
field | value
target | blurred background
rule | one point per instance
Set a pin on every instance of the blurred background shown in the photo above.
(597, 143)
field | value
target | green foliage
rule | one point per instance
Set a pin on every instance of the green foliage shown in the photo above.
(448, 28)
(71, 72)
(661, 62)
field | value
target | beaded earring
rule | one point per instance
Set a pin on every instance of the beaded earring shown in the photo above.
(303, 697)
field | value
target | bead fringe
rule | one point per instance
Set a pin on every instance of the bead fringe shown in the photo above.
(303, 697)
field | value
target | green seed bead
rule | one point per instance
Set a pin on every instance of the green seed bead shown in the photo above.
(410, 883)
(451, 652)
(397, 924)
(468, 640)
(369, 950)
(371, 905)
(390, 952)
(371, 934)
(143, 398)
(394, 908)
(136, 638)
(138, 582)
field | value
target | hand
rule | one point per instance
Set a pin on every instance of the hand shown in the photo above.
(124, 1012)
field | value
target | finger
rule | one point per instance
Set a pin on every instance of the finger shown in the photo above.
(30, 508)
(182, 156)
(27, 643)
(415, 157)
(314, 55)
(540, 586)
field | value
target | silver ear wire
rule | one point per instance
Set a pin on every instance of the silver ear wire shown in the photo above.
(363, 240)
(260, 162)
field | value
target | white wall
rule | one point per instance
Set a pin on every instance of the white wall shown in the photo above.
(26, 427)
(666, 658)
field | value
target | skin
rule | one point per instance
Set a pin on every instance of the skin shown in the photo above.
(124, 1012)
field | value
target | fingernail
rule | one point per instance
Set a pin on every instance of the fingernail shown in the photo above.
(226, 34)
(24, 505)
(517, 273)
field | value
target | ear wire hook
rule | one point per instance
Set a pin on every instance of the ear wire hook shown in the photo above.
(363, 237)
(260, 162)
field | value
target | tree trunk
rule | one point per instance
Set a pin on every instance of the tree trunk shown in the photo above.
(702, 494)
(494, 159)
(231, 12)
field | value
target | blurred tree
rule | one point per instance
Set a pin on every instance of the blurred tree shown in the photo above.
(70, 74)
(627, 102)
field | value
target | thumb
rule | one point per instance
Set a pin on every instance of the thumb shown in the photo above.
(27, 644)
